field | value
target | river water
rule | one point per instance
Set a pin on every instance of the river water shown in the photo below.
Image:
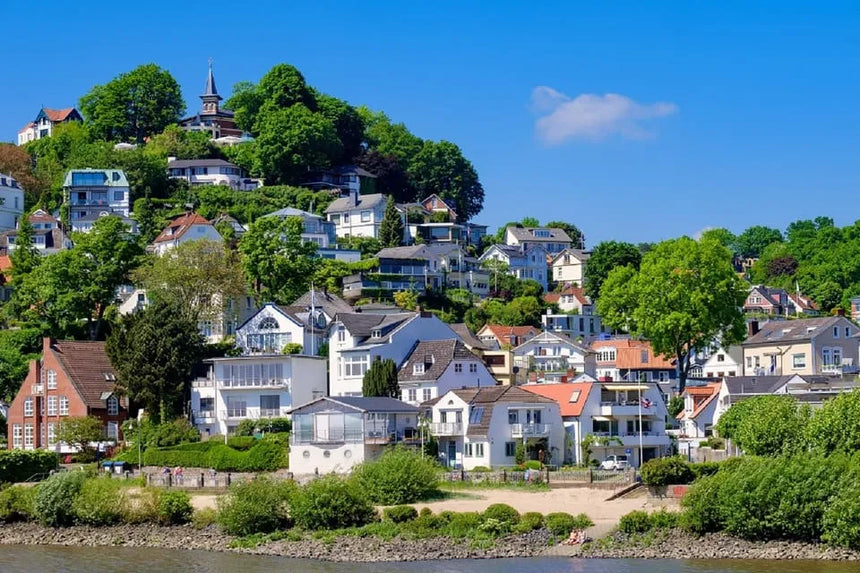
(34, 559)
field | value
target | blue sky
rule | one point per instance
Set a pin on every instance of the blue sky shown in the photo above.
(724, 114)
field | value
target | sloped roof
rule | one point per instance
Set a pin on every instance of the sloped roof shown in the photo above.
(367, 404)
(362, 325)
(571, 397)
(502, 332)
(782, 331)
(184, 163)
(488, 397)
(628, 354)
(703, 396)
(30, 125)
(462, 330)
(422, 252)
(57, 115)
(179, 226)
(293, 212)
(363, 202)
(577, 293)
(87, 365)
(436, 356)
(111, 177)
(738, 385)
(331, 304)
(802, 302)
(560, 336)
(578, 253)
(524, 234)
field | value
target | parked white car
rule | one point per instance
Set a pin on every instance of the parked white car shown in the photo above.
(615, 463)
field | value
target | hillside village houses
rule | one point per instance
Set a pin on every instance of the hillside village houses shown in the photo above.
(697, 418)
(552, 357)
(357, 215)
(499, 362)
(46, 120)
(503, 336)
(211, 172)
(218, 123)
(316, 229)
(568, 266)
(48, 234)
(724, 363)
(777, 301)
(184, 228)
(483, 426)
(11, 202)
(552, 240)
(94, 192)
(434, 367)
(521, 262)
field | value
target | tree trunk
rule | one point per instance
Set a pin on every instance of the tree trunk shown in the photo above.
(682, 373)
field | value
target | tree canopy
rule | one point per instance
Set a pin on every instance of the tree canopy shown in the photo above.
(381, 379)
(391, 229)
(605, 257)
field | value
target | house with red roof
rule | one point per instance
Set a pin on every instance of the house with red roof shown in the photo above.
(71, 379)
(634, 360)
(43, 125)
(571, 299)
(503, 336)
(697, 417)
(183, 228)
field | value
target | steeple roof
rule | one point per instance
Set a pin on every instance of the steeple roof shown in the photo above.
(210, 90)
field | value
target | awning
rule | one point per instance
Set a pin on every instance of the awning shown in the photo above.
(601, 418)
(626, 387)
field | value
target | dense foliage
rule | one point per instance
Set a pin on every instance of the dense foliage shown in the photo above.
(19, 465)
(381, 379)
(331, 502)
(54, 502)
(268, 454)
(400, 475)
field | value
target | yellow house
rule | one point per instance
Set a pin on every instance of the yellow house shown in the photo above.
(826, 345)
(499, 361)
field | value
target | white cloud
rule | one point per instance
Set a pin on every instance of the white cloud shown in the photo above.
(591, 116)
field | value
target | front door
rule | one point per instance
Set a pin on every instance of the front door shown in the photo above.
(452, 453)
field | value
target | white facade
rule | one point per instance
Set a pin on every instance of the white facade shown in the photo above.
(350, 353)
(523, 263)
(91, 192)
(252, 388)
(553, 355)
(436, 367)
(12, 204)
(568, 266)
(211, 172)
(551, 240)
(723, 363)
(272, 328)
(197, 231)
(357, 215)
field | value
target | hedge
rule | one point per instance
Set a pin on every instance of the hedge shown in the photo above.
(262, 456)
(19, 465)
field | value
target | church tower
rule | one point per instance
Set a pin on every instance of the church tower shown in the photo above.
(210, 97)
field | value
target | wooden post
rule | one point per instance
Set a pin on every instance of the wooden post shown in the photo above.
(504, 476)
(547, 476)
(590, 475)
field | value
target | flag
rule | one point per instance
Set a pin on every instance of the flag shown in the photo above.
(646, 403)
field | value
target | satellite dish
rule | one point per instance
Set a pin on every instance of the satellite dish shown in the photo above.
(516, 369)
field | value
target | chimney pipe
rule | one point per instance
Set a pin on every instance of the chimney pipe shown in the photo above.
(752, 327)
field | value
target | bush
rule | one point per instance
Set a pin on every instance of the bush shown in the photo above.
(464, 525)
(665, 471)
(174, 508)
(142, 506)
(52, 504)
(400, 513)
(241, 443)
(99, 502)
(16, 503)
(257, 506)
(203, 518)
(635, 522)
(263, 455)
(532, 465)
(529, 521)
(561, 524)
(502, 512)
(266, 426)
(331, 502)
(663, 519)
(703, 469)
(20, 465)
(841, 520)
(399, 476)
(160, 435)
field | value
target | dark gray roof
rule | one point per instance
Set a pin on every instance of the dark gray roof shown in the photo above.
(578, 253)
(436, 355)
(462, 330)
(375, 404)
(779, 331)
(182, 163)
(330, 304)
(737, 385)
(364, 202)
(487, 398)
(362, 325)
(526, 234)
(422, 252)
(210, 89)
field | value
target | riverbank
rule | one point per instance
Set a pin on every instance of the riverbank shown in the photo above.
(679, 544)
(342, 549)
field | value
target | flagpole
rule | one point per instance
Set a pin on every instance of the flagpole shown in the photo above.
(313, 323)
(640, 424)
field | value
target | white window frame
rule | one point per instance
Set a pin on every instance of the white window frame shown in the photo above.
(355, 366)
(413, 395)
(112, 406)
(52, 380)
(28, 407)
(479, 450)
(17, 436)
(52, 434)
(52, 405)
(798, 361)
(426, 394)
(64, 406)
(29, 436)
(366, 216)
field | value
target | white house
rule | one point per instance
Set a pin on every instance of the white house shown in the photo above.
(523, 262)
(436, 366)
(568, 266)
(182, 229)
(333, 434)
(85, 223)
(48, 235)
(43, 125)
(483, 426)
(11, 202)
(552, 240)
(723, 363)
(254, 387)
(358, 338)
(96, 191)
(357, 215)
(551, 355)
(697, 418)
(211, 172)
(571, 299)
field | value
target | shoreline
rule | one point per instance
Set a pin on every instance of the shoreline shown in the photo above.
(676, 545)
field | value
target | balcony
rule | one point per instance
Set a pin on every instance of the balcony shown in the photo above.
(245, 384)
(378, 434)
(248, 413)
(446, 429)
(204, 416)
(622, 409)
(529, 430)
(234, 413)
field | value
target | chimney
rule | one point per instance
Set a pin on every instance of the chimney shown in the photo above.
(353, 197)
(752, 327)
(840, 312)
(171, 159)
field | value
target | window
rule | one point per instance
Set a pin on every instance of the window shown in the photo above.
(64, 406)
(826, 356)
(52, 380)
(341, 334)
(467, 450)
(207, 405)
(510, 449)
(270, 406)
(17, 436)
(52, 405)
(268, 323)
(837, 356)
(479, 450)
(199, 171)
(28, 435)
(334, 219)
(749, 361)
(847, 331)
(475, 414)
(112, 406)
(798, 360)
(664, 376)
(52, 434)
(365, 216)
(721, 357)
(355, 366)
(458, 367)
(426, 394)
(513, 416)
(118, 195)
(413, 395)
(113, 430)
(473, 368)
(644, 356)
(418, 368)
(835, 332)
(28, 406)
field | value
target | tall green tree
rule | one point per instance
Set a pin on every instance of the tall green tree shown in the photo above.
(441, 168)
(80, 432)
(391, 227)
(381, 379)
(685, 294)
(752, 241)
(576, 236)
(390, 138)
(153, 352)
(276, 262)
(391, 178)
(25, 258)
(765, 425)
(605, 257)
(347, 123)
(134, 105)
(723, 236)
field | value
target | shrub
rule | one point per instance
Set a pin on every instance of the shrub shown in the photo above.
(20, 465)
(142, 506)
(266, 426)
(495, 527)
(399, 476)
(99, 502)
(331, 502)
(702, 511)
(16, 503)
(52, 504)
(257, 506)
(702, 469)
(502, 512)
(463, 525)
(174, 508)
(635, 522)
(532, 465)
(663, 519)
(160, 435)
(664, 471)
(203, 518)
(520, 454)
(400, 513)
(481, 469)
(263, 455)
(266, 456)
(241, 443)
(529, 521)
(841, 520)
(561, 524)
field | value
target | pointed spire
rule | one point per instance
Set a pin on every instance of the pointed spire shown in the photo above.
(210, 90)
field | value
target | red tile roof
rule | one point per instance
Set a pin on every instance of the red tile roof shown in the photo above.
(576, 292)
(26, 127)
(702, 397)
(571, 398)
(179, 226)
(56, 115)
(502, 332)
(628, 354)
(88, 368)
(5, 263)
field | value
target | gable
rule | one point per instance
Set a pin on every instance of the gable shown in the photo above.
(285, 322)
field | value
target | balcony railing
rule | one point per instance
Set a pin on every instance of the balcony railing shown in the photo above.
(372, 434)
(529, 430)
(234, 413)
(203, 414)
(446, 429)
(270, 383)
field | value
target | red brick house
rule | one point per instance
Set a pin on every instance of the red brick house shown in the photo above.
(72, 379)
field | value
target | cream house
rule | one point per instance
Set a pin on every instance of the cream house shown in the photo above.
(826, 345)
(568, 266)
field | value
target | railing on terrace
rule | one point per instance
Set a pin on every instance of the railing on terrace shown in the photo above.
(446, 429)
(235, 413)
(565, 476)
(267, 383)
(520, 430)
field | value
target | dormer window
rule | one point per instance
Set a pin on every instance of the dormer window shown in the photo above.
(418, 368)
(112, 406)
(376, 333)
